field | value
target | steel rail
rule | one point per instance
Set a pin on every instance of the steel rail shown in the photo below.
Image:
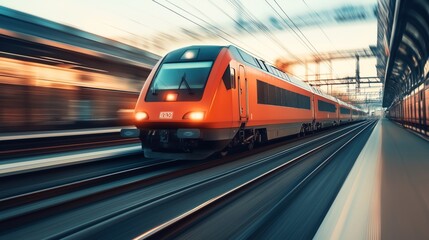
(164, 230)
(53, 191)
(139, 206)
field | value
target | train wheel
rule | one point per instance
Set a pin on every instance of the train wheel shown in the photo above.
(302, 131)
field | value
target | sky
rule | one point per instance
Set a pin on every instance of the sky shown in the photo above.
(146, 22)
(258, 26)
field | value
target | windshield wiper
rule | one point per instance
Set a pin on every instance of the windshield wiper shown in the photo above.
(154, 89)
(186, 84)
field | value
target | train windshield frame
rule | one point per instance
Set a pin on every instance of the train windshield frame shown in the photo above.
(182, 76)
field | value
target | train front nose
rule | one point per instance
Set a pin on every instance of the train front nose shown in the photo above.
(173, 112)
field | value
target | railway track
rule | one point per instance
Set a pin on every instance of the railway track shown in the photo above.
(174, 227)
(46, 201)
(91, 190)
(45, 145)
(66, 147)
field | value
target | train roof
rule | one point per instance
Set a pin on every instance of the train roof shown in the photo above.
(255, 62)
(266, 67)
(356, 108)
(210, 51)
(342, 103)
(199, 53)
(319, 92)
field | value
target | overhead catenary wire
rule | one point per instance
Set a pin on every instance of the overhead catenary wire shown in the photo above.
(302, 38)
(317, 23)
(290, 27)
(202, 26)
(319, 26)
(256, 23)
(264, 29)
(232, 19)
(213, 26)
(209, 24)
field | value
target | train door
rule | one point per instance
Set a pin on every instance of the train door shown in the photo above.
(243, 100)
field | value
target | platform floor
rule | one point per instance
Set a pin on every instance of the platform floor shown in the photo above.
(386, 195)
(404, 184)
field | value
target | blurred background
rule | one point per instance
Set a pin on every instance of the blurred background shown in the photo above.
(78, 64)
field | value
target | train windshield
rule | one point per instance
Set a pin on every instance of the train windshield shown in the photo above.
(175, 76)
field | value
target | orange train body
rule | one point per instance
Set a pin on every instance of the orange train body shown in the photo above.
(200, 100)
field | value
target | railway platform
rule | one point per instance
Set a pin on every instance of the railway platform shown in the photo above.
(59, 150)
(386, 194)
(59, 133)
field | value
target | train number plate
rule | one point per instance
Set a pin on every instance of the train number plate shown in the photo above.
(166, 115)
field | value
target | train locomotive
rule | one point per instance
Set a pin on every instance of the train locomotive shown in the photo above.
(202, 100)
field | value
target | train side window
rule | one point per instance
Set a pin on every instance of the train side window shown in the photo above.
(264, 65)
(259, 64)
(247, 57)
(227, 78)
(232, 78)
(270, 69)
(276, 72)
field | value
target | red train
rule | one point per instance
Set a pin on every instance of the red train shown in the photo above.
(202, 100)
(413, 109)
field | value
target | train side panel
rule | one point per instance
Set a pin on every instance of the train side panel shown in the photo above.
(278, 107)
(345, 115)
(326, 111)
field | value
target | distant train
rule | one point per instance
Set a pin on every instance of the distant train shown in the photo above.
(36, 96)
(412, 111)
(202, 100)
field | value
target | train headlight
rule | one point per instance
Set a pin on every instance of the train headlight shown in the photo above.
(194, 116)
(141, 116)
